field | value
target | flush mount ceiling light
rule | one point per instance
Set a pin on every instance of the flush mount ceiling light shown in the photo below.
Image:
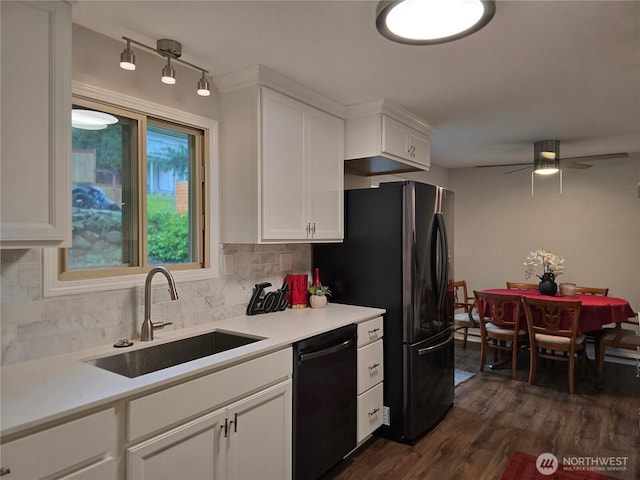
(546, 157)
(91, 120)
(429, 22)
(171, 50)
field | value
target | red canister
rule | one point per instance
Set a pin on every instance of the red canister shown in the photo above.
(297, 293)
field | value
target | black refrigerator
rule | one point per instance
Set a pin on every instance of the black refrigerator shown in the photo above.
(398, 255)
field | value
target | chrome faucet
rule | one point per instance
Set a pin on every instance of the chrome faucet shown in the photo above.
(147, 326)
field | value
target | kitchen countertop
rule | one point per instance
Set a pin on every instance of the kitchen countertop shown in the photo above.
(36, 392)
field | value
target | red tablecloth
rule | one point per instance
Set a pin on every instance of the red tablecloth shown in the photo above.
(596, 310)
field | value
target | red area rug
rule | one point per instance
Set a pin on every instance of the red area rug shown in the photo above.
(523, 467)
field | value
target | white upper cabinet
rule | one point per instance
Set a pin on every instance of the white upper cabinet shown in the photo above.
(382, 136)
(404, 142)
(281, 167)
(35, 124)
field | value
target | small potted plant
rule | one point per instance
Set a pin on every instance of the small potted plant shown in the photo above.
(318, 293)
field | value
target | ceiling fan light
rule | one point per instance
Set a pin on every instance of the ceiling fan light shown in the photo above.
(424, 22)
(546, 170)
(546, 157)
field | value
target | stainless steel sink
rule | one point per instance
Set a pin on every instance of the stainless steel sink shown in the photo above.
(151, 359)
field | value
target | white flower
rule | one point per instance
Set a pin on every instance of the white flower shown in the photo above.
(551, 263)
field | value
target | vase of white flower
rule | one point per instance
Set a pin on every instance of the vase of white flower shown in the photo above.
(552, 265)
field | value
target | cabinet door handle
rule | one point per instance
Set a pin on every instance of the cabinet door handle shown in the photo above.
(225, 427)
(373, 412)
(234, 422)
(4, 471)
(374, 366)
(308, 230)
(313, 230)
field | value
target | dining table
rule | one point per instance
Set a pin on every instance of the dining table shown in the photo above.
(596, 311)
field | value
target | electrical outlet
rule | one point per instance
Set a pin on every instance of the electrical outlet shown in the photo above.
(386, 413)
(286, 262)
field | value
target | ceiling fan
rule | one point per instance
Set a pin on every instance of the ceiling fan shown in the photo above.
(546, 159)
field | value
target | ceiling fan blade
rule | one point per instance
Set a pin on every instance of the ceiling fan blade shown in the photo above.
(576, 165)
(518, 169)
(505, 165)
(590, 158)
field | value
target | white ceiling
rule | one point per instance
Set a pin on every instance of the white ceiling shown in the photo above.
(567, 70)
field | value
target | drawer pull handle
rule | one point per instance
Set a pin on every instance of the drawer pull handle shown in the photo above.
(373, 412)
(371, 332)
(374, 366)
(4, 471)
(234, 422)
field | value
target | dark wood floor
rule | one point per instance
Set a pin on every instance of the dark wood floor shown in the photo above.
(494, 415)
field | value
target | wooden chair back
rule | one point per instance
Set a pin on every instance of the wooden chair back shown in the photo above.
(461, 299)
(522, 286)
(552, 317)
(501, 310)
(592, 291)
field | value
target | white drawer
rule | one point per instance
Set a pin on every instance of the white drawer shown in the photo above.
(369, 411)
(74, 443)
(172, 405)
(370, 331)
(370, 366)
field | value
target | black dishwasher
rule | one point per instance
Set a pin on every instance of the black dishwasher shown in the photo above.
(324, 401)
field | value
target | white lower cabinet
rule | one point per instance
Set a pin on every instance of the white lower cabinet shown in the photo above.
(249, 439)
(259, 440)
(244, 434)
(85, 448)
(370, 377)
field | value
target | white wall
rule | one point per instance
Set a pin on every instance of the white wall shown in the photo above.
(594, 225)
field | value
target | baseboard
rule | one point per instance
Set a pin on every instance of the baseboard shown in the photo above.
(612, 355)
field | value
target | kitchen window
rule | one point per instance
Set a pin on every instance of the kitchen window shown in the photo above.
(144, 193)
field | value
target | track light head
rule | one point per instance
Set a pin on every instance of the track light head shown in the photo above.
(204, 90)
(168, 73)
(127, 58)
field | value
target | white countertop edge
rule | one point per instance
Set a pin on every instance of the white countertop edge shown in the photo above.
(46, 390)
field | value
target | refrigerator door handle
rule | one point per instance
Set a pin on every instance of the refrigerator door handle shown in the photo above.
(440, 279)
(424, 351)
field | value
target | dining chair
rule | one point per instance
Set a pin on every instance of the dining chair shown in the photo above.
(553, 333)
(499, 326)
(592, 291)
(618, 337)
(467, 316)
(522, 286)
(594, 338)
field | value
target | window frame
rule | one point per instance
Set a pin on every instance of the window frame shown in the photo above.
(53, 285)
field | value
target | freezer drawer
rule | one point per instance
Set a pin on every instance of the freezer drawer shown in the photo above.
(429, 386)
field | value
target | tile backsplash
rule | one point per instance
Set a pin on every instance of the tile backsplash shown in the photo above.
(32, 326)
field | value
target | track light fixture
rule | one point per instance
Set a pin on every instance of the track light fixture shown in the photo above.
(171, 50)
